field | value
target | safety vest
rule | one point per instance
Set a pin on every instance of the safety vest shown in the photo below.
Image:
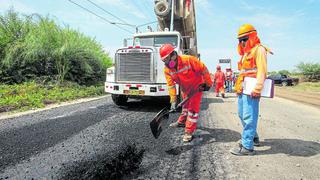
(247, 67)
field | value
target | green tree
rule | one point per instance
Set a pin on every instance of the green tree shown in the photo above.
(311, 71)
(272, 72)
(284, 72)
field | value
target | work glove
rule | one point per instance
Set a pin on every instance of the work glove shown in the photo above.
(204, 87)
(255, 95)
(173, 105)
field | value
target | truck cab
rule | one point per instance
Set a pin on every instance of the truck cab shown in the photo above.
(138, 69)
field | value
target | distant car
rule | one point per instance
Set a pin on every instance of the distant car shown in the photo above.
(283, 80)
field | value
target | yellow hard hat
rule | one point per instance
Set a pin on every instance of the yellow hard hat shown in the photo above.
(245, 30)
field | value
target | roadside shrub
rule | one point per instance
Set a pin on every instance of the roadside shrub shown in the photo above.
(29, 95)
(36, 47)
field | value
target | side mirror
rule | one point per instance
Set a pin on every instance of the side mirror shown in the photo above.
(125, 42)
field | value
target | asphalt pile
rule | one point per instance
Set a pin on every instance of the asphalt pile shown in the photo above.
(122, 163)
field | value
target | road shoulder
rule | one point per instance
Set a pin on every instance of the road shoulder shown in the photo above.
(310, 98)
(289, 132)
(8, 115)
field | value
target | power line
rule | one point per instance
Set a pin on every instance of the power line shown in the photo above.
(141, 10)
(107, 12)
(110, 22)
(148, 6)
(152, 22)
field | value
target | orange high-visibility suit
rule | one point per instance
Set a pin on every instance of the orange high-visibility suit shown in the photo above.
(189, 75)
(219, 79)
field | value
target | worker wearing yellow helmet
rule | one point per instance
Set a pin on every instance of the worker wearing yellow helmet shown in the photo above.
(253, 63)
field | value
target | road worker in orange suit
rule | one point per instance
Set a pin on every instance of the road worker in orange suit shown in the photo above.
(253, 63)
(193, 77)
(219, 80)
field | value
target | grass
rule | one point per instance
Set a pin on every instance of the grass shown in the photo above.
(306, 87)
(30, 95)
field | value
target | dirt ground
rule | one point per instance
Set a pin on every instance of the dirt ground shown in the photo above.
(312, 98)
(290, 135)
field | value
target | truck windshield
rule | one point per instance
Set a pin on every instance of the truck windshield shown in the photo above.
(158, 40)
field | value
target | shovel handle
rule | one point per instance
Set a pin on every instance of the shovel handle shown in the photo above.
(184, 101)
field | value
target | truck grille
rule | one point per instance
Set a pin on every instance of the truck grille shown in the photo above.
(134, 67)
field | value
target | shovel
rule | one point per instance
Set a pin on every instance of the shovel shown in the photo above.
(156, 123)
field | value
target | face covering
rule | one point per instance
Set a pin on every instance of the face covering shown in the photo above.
(171, 64)
(249, 44)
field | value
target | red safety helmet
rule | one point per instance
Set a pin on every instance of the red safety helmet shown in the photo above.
(166, 50)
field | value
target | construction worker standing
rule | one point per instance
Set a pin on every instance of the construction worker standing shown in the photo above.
(193, 77)
(229, 79)
(219, 80)
(253, 63)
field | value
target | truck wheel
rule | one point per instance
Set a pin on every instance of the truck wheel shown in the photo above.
(120, 100)
(162, 8)
(284, 83)
(294, 83)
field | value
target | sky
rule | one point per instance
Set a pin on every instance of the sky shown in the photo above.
(290, 28)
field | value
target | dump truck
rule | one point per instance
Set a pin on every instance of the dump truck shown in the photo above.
(138, 69)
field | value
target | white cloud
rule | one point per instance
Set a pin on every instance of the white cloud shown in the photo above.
(312, 1)
(249, 7)
(125, 6)
(267, 20)
(16, 5)
(300, 13)
(83, 17)
(310, 54)
(204, 6)
(211, 56)
(245, 5)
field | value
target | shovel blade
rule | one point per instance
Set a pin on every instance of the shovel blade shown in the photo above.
(156, 123)
(156, 129)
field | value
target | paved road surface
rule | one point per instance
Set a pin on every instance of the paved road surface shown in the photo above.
(98, 140)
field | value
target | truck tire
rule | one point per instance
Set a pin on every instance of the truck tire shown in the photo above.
(284, 83)
(120, 100)
(162, 8)
(294, 83)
